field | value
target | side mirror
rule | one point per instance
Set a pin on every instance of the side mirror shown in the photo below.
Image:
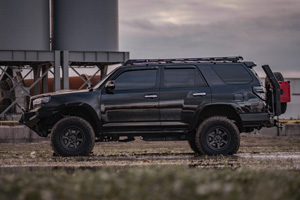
(90, 87)
(110, 86)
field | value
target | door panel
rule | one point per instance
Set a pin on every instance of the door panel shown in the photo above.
(134, 102)
(182, 91)
(129, 107)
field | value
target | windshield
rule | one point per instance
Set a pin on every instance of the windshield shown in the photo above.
(105, 78)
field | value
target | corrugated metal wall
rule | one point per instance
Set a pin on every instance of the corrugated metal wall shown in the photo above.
(293, 109)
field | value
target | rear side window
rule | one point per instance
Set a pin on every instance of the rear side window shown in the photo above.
(232, 74)
(181, 78)
(139, 79)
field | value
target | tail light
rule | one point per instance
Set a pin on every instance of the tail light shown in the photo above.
(260, 91)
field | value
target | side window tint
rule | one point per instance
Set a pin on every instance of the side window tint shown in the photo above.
(181, 78)
(232, 74)
(139, 79)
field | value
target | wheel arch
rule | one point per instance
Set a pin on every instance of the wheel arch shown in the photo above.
(83, 111)
(211, 110)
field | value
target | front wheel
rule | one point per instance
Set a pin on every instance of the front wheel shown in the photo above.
(72, 136)
(217, 136)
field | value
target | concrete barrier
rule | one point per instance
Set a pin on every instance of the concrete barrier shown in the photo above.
(288, 129)
(292, 129)
(270, 131)
(18, 134)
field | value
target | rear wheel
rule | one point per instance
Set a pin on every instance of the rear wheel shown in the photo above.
(217, 136)
(72, 136)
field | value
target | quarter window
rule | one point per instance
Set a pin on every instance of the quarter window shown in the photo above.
(138, 79)
(232, 74)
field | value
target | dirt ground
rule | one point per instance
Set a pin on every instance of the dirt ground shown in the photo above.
(264, 168)
(256, 152)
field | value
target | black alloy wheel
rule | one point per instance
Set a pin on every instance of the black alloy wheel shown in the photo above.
(217, 136)
(72, 136)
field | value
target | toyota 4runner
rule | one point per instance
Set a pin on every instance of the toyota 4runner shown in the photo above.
(206, 101)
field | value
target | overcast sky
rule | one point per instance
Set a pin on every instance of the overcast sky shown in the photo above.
(264, 31)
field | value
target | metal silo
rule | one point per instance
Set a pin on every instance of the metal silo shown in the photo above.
(85, 25)
(24, 25)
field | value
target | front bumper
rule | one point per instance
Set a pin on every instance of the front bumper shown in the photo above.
(33, 117)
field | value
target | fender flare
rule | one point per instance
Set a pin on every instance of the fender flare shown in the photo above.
(196, 119)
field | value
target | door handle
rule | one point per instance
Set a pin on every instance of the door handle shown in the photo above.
(198, 94)
(151, 96)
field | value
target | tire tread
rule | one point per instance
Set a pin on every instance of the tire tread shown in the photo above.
(210, 122)
(86, 150)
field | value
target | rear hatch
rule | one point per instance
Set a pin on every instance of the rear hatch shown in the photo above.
(278, 92)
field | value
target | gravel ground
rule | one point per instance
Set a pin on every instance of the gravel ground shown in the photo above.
(264, 168)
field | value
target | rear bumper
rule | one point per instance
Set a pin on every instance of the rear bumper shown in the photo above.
(257, 119)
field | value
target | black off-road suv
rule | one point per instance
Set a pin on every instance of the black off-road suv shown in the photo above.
(206, 101)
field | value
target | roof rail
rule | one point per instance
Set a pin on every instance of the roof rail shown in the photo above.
(182, 60)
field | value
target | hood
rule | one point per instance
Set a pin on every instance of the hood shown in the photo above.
(60, 92)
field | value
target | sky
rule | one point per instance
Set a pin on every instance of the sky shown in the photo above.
(263, 31)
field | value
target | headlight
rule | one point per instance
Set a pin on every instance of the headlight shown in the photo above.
(38, 102)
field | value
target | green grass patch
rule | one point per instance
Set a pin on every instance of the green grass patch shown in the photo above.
(152, 182)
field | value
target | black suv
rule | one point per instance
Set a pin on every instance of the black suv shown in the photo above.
(206, 101)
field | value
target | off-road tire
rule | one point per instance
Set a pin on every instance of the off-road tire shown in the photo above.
(278, 76)
(72, 136)
(192, 144)
(217, 136)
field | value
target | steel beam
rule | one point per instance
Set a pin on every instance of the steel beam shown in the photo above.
(103, 71)
(37, 75)
(45, 84)
(65, 69)
(56, 64)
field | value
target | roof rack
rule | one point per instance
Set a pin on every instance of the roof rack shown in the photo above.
(183, 60)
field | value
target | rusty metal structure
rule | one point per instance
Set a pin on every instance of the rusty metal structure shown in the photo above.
(42, 39)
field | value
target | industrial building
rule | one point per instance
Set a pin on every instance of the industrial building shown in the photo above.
(42, 37)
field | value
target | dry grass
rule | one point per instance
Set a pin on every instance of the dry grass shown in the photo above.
(156, 182)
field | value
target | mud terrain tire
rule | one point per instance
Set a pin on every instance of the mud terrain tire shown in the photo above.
(192, 144)
(217, 136)
(72, 136)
